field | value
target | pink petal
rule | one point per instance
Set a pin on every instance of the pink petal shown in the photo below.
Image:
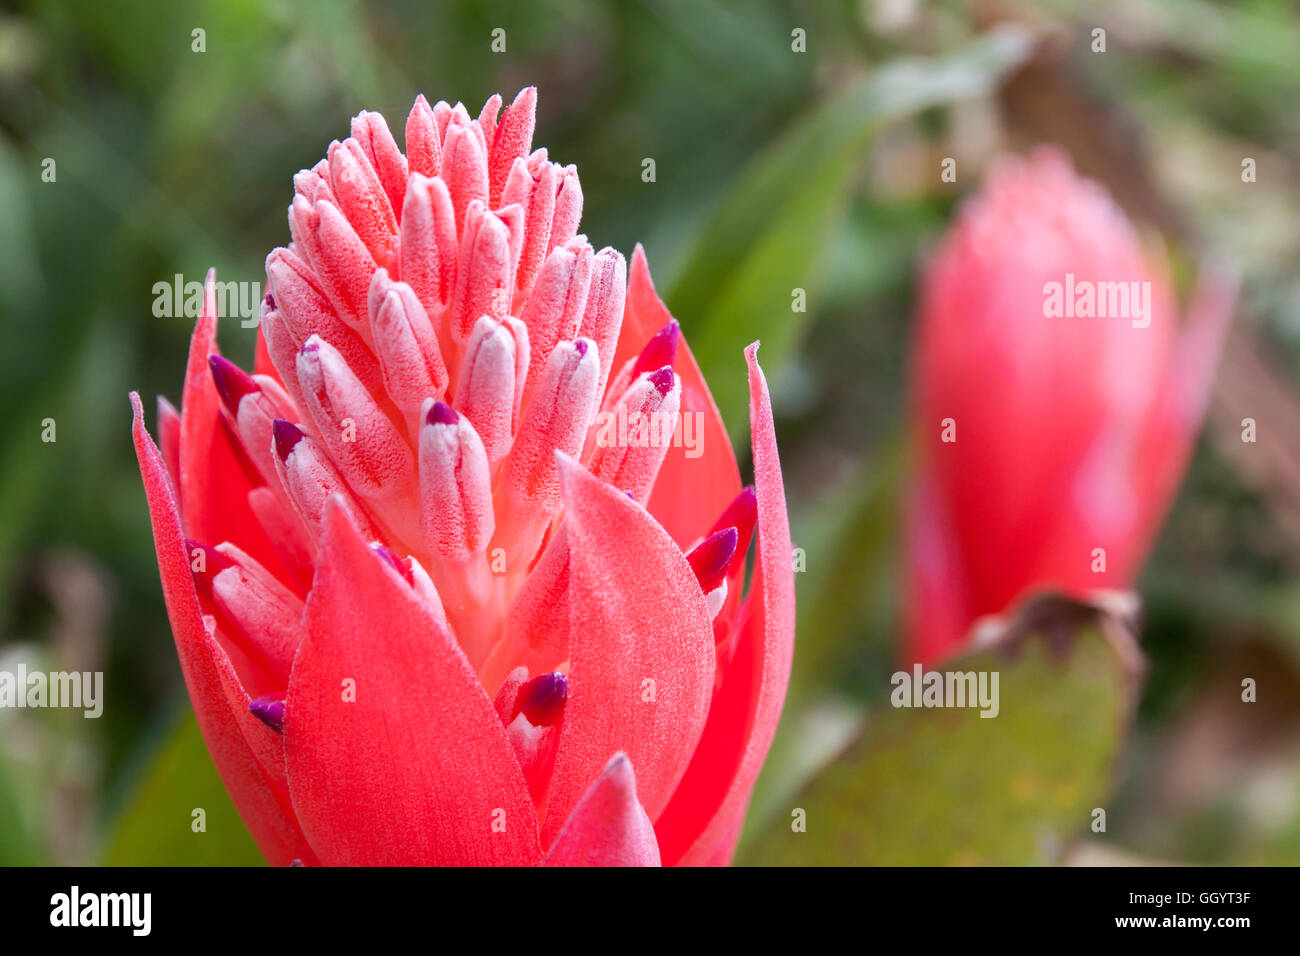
(464, 170)
(743, 718)
(538, 618)
(603, 318)
(214, 483)
(371, 131)
(272, 826)
(487, 120)
(428, 247)
(266, 744)
(690, 492)
(343, 265)
(512, 140)
(484, 271)
(608, 827)
(532, 185)
(568, 207)
(169, 440)
(360, 196)
(636, 615)
(417, 769)
(262, 364)
(423, 140)
(556, 305)
(936, 603)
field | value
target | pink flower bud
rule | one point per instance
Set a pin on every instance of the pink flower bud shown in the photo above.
(397, 530)
(1055, 398)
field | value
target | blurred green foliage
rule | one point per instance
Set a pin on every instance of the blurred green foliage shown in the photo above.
(180, 814)
(773, 231)
(948, 787)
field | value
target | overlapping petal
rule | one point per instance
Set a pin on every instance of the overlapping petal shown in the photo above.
(608, 827)
(640, 648)
(275, 830)
(701, 820)
(395, 753)
(450, 286)
(695, 484)
(215, 476)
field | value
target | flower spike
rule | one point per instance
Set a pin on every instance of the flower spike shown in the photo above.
(461, 461)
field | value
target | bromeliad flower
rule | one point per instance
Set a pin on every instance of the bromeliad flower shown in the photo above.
(427, 611)
(1056, 398)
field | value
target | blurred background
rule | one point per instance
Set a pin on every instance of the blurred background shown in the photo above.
(775, 169)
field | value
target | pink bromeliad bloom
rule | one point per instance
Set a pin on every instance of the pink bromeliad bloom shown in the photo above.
(1055, 401)
(443, 587)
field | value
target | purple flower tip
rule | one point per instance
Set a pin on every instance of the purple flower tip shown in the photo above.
(440, 413)
(541, 699)
(393, 561)
(711, 558)
(270, 301)
(232, 382)
(663, 379)
(269, 710)
(286, 435)
(580, 346)
(660, 350)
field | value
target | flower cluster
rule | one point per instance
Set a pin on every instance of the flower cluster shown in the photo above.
(424, 616)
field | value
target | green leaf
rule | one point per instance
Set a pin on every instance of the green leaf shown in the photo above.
(771, 234)
(846, 615)
(155, 829)
(945, 786)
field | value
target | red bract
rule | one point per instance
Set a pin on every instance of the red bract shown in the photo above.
(1051, 433)
(426, 612)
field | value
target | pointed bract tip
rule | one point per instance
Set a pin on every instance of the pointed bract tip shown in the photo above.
(232, 382)
(440, 413)
(741, 516)
(661, 350)
(711, 558)
(741, 513)
(286, 435)
(542, 699)
(393, 561)
(269, 709)
(619, 772)
(663, 379)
